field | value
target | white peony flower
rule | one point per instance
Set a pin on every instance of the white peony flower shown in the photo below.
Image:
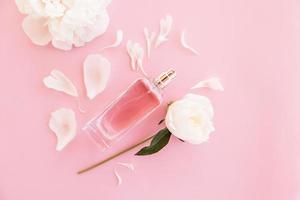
(64, 22)
(190, 118)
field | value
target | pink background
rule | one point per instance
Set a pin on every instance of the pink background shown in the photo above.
(252, 45)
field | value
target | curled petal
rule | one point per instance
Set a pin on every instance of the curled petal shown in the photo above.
(131, 54)
(96, 74)
(37, 30)
(211, 83)
(63, 124)
(136, 54)
(139, 56)
(58, 81)
(118, 41)
(165, 28)
(127, 165)
(119, 179)
(149, 40)
(185, 44)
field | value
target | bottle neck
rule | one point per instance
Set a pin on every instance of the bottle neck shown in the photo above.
(164, 79)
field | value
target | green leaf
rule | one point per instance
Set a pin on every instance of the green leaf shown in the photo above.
(159, 141)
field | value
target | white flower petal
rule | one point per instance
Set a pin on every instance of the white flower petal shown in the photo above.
(95, 28)
(117, 42)
(202, 101)
(208, 128)
(131, 54)
(63, 124)
(69, 3)
(58, 81)
(127, 165)
(63, 45)
(37, 7)
(136, 54)
(96, 74)
(54, 9)
(165, 28)
(184, 43)
(61, 30)
(37, 30)
(211, 83)
(119, 179)
(149, 40)
(101, 24)
(78, 42)
(139, 56)
(23, 6)
(105, 3)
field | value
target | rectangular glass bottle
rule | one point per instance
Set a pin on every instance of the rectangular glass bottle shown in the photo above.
(135, 104)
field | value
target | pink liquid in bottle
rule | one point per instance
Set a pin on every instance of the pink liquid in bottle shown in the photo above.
(134, 105)
(130, 108)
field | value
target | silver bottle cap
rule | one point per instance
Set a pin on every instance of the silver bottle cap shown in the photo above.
(165, 78)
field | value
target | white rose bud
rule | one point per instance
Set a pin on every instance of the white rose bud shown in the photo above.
(190, 119)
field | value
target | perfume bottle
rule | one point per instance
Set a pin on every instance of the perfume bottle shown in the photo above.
(134, 105)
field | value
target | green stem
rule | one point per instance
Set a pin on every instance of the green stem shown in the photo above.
(113, 156)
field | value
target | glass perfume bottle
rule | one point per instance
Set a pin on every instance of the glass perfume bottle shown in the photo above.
(134, 105)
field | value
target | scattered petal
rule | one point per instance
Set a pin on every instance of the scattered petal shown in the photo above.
(127, 165)
(165, 28)
(63, 124)
(184, 43)
(131, 53)
(118, 177)
(212, 83)
(139, 56)
(136, 54)
(149, 40)
(36, 30)
(58, 81)
(96, 74)
(118, 41)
